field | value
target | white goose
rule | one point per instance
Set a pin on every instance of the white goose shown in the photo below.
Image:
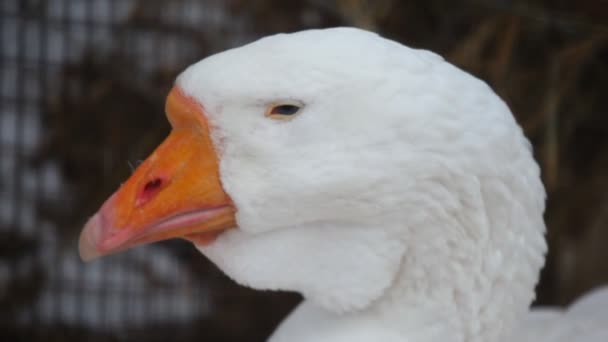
(393, 190)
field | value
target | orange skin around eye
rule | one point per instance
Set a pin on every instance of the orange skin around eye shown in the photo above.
(175, 192)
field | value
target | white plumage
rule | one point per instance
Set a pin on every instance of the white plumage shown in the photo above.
(402, 200)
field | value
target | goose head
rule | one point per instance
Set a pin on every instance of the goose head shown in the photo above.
(349, 168)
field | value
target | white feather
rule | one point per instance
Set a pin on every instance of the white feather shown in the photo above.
(585, 320)
(403, 201)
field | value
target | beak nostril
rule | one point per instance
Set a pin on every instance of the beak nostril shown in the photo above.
(153, 185)
(149, 190)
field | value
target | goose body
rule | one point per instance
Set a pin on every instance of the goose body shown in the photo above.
(393, 190)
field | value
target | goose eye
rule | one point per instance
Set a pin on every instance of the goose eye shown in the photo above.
(283, 111)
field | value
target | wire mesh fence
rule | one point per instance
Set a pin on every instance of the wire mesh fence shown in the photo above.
(82, 87)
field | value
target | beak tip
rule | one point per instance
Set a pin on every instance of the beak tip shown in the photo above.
(86, 243)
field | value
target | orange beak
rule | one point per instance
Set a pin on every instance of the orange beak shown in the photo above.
(176, 192)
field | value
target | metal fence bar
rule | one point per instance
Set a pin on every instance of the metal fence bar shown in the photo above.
(42, 93)
(57, 287)
(17, 189)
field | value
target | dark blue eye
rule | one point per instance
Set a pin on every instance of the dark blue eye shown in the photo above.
(286, 109)
(282, 111)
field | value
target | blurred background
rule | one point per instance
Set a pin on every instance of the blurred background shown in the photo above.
(82, 89)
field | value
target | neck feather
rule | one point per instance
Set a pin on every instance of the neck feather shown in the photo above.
(469, 270)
